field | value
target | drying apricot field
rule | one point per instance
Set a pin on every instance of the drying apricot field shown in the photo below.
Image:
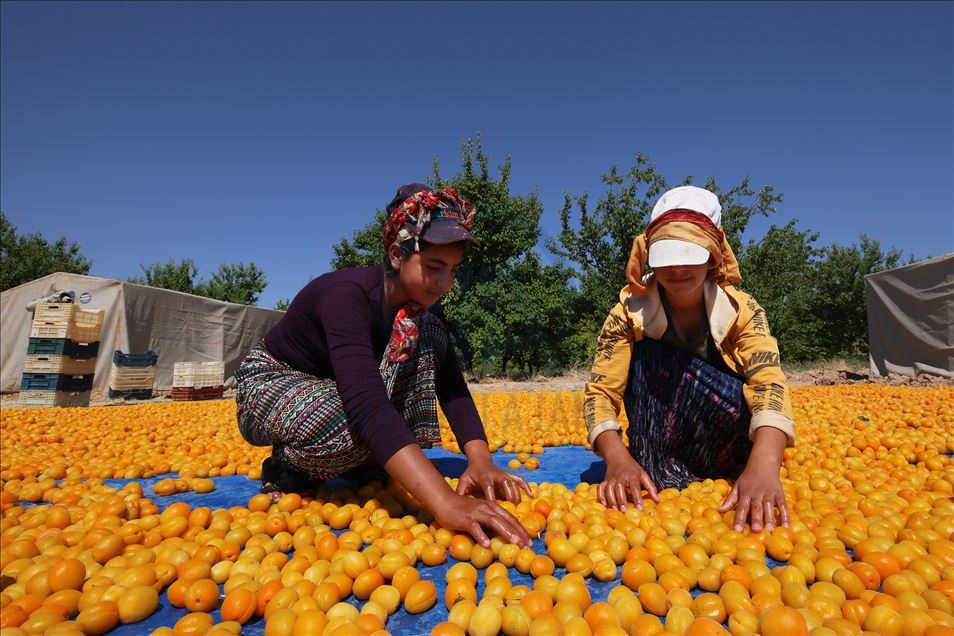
(145, 520)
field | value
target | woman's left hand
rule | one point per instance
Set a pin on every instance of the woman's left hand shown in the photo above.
(488, 479)
(756, 494)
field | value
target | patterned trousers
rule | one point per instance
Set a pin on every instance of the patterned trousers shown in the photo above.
(688, 421)
(302, 416)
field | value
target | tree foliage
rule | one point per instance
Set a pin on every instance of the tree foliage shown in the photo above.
(839, 301)
(516, 320)
(178, 277)
(366, 246)
(25, 257)
(241, 283)
(512, 313)
(780, 272)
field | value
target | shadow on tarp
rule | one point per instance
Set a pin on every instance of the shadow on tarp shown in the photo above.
(567, 465)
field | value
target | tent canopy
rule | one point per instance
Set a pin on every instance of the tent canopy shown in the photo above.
(911, 318)
(179, 327)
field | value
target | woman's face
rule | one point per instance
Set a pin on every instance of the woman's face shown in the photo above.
(427, 275)
(683, 281)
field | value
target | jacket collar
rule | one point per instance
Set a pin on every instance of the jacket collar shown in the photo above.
(647, 310)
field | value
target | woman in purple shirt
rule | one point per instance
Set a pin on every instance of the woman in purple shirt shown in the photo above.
(351, 376)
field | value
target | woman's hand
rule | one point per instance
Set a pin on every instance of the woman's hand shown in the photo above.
(757, 493)
(417, 474)
(625, 478)
(473, 515)
(487, 480)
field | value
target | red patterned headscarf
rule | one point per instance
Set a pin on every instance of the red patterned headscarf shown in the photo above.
(420, 208)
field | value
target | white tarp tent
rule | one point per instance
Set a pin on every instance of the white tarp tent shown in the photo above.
(911, 318)
(179, 327)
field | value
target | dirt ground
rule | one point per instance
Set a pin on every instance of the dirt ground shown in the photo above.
(824, 375)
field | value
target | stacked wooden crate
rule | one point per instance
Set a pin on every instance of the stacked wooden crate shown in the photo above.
(132, 375)
(61, 356)
(198, 380)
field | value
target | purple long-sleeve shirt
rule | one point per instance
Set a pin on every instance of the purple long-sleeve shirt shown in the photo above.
(336, 328)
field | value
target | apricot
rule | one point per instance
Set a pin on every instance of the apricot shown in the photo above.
(420, 597)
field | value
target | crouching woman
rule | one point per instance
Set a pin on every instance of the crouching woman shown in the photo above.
(349, 379)
(691, 359)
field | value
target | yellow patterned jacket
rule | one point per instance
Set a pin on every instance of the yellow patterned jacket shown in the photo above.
(739, 330)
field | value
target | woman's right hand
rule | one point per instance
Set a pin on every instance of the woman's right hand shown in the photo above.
(473, 515)
(625, 478)
(417, 474)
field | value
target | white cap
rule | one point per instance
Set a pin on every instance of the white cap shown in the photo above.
(668, 252)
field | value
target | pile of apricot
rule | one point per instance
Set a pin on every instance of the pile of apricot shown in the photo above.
(870, 548)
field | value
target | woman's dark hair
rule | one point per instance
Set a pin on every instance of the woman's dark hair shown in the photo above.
(407, 248)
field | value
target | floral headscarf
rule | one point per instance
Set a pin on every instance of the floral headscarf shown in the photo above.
(420, 208)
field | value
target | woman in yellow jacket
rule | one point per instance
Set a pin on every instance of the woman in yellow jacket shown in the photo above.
(691, 358)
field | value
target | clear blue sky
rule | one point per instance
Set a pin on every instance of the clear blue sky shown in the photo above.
(266, 132)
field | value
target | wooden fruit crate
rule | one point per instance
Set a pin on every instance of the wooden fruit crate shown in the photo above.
(38, 363)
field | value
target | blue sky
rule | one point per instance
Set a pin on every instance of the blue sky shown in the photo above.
(267, 132)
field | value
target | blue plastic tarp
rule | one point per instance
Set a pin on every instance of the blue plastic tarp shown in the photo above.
(568, 465)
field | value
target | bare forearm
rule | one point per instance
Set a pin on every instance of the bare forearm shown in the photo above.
(609, 445)
(477, 452)
(768, 448)
(411, 468)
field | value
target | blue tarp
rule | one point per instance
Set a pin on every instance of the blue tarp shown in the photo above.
(568, 465)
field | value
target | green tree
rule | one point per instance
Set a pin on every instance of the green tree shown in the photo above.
(780, 272)
(241, 284)
(840, 301)
(25, 257)
(366, 246)
(171, 275)
(282, 304)
(598, 242)
(517, 321)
